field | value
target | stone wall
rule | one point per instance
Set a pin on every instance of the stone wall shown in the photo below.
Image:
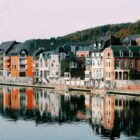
(19, 80)
(128, 84)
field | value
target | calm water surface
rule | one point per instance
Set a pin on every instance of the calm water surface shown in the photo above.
(40, 114)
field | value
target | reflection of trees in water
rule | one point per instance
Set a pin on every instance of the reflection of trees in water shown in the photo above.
(70, 107)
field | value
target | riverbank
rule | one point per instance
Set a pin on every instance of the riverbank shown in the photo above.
(124, 92)
(28, 85)
(67, 88)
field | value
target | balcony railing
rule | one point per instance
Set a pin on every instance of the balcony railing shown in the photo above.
(122, 67)
(7, 63)
(22, 57)
(7, 58)
(23, 62)
(23, 67)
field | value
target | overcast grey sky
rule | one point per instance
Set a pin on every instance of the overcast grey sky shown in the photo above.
(27, 19)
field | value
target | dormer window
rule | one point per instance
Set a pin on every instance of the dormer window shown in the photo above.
(23, 54)
(121, 53)
(130, 53)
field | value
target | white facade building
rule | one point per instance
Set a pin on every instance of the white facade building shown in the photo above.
(97, 65)
(47, 67)
(97, 110)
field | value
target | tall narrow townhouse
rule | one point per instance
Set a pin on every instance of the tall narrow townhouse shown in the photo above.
(97, 63)
(5, 59)
(21, 61)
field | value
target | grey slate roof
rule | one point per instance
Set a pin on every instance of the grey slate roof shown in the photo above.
(72, 47)
(46, 54)
(5, 46)
(86, 48)
(133, 37)
(126, 49)
(92, 48)
(17, 48)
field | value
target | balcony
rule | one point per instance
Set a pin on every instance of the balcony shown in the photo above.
(22, 57)
(122, 67)
(7, 69)
(23, 67)
(7, 63)
(23, 62)
(7, 58)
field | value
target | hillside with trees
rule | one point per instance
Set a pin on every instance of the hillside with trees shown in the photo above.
(90, 35)
(119, 30)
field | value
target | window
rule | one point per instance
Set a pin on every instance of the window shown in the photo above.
(108, 54)
(22, 74)
(130, 53)
(117, 63)
(106, 74)
(121, 53)
(41, 65)
(41, 74)
(109, 74)
(57, 73)
(37, 74)
(124, 63)
(108, 64)
(131, 64)
(23, 54)
(93, 63)
(99, 62)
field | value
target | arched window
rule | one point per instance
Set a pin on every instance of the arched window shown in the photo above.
(23, 53)
(130, 53)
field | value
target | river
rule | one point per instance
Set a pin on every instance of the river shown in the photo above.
(42, 114)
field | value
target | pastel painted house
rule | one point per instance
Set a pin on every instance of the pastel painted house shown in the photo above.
(121, 62)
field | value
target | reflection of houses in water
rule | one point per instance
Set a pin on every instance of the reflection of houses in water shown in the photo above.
(109, 108)
(1, 98)
(87, 101)
(97, 110)
(122, 106)
(116, 115)
(6, 98)
(18, 98)
(15, 98)
(47, 102)
(30, 98)
(111, 114)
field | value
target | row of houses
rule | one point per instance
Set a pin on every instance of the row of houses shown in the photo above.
(106, 59)
(113, 63)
